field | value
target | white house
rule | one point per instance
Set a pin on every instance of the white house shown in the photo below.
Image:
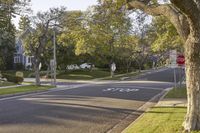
(20, 57)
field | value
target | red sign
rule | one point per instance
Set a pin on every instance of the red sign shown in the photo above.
(180, 60)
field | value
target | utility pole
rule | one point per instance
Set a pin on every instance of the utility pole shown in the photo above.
(54, 55)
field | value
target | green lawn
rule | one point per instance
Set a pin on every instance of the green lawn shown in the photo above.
(177, 93)
(23, 89)
(83, 74)
(80, 74)
(5, 83)
(162, 119)
(159, 120)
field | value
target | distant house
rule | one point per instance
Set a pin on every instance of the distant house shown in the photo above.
(20, 58)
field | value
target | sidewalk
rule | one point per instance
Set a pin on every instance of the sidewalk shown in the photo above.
(172, 102)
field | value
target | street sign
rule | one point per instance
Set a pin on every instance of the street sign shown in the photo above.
(180, 60)
(113, 67)
(40, 66)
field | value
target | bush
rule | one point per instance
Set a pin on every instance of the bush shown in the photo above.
(14, 79)
(19, 66)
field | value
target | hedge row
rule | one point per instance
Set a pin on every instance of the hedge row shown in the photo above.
(13, 78)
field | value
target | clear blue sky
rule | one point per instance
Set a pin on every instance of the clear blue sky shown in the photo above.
(43, 5)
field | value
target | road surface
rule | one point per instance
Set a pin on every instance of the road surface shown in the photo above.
(101, 107)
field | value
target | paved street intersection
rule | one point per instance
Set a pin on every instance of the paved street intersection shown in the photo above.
(99, 107)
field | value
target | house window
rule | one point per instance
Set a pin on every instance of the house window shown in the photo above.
(17, 59)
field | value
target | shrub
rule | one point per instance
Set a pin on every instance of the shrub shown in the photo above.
(19, 66)
(14, 79)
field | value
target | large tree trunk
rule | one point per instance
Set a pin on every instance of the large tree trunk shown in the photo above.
(37, 72)
(192, 53)
(37, 75)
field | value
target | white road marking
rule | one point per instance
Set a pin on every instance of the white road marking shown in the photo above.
(120, 90)
(141, 87)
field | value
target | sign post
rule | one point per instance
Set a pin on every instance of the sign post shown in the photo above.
(181, 63)
(52, 70)
(173, 56)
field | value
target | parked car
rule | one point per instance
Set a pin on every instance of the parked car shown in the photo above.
(72, 67)
(86, 66)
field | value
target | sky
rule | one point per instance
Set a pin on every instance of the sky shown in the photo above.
(44, 5)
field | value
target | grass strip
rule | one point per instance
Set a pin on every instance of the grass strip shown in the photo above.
(83, 74)
(159, 120)
(5, 83)
(177, 93)
(23, 89)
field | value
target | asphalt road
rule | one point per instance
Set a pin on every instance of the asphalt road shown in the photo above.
(89, 108)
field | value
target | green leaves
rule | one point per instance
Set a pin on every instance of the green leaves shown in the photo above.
(164, 34)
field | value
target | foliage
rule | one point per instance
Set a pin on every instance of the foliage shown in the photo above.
(24, 23)
(163, 35)
(13, 78)
(67, 39)
(19, 66)
(39, 38)
(142, 50)
(9, 8)
(104, 27)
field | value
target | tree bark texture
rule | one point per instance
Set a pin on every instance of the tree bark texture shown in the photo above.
(192, 53)
(37, 72)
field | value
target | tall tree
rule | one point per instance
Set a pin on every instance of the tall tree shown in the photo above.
(105, 24)
(128, 50)
(37, 39)
(9, 8)
(163, 35)
(185, 16)
(140, 29)
(72, 31)
(24, 23)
